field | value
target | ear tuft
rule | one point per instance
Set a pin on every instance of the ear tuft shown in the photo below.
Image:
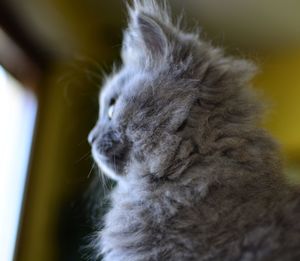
(145, 41)
(151, 8)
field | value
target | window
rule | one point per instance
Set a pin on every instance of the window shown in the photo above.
(18, 108)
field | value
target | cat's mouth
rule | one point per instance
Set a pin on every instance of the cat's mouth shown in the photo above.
(113, 165)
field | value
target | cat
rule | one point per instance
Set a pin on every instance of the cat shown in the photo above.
(178, 130)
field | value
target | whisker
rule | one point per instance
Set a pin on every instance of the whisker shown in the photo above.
(85, 156)
(91, 170)
(104, 183)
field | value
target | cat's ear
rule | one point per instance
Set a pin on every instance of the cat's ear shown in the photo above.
(152, 35)
(145, 41)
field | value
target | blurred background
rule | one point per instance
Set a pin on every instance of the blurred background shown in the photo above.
(52, 57)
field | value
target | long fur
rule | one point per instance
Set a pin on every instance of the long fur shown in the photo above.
(197, 178)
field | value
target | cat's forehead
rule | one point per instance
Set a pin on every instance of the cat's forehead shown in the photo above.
(125, 82)
(112, 85)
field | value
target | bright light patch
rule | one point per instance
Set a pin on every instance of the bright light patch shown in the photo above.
(17, 116)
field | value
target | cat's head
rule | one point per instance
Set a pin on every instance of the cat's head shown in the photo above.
(155, 110)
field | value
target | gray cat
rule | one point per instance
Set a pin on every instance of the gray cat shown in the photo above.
(197, 179)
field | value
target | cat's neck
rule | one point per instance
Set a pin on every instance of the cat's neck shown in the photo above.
(192, 186)
(197, 183)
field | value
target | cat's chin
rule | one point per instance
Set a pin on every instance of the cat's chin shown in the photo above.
(104, 166)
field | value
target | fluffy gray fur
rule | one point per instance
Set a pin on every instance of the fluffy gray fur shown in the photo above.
(197, 179)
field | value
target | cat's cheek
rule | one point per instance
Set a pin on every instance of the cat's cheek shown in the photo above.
(103, 166)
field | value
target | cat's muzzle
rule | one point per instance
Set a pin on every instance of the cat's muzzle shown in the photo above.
(111, 148)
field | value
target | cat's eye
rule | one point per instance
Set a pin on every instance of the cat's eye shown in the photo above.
(111, 109)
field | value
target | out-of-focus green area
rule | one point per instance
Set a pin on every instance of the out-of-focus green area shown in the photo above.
(82, 39)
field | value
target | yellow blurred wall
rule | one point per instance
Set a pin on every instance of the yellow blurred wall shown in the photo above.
(280, 81)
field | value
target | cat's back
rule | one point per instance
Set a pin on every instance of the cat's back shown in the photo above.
(269, 232)
(258, 230)
(278, 238)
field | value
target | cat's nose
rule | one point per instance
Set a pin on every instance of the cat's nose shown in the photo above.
(92, 136)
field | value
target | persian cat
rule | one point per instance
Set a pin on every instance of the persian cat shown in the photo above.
(178, 130)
